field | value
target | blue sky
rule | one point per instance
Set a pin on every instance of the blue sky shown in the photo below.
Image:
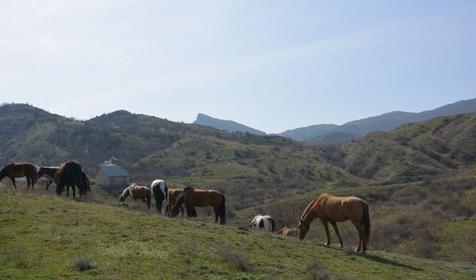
(273, 65)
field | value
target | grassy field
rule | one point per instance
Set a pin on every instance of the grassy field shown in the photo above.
(46, 237)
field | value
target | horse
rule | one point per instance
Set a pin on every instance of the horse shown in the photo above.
(201, 198)
(48, 171)
(86, 182)
(17, 170)
(135, 191)
(265, 223)
(329, 208)
(160, 192)
(288, 231)
(172, 196)
(69, 175)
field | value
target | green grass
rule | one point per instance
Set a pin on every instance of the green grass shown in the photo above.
(42, 235)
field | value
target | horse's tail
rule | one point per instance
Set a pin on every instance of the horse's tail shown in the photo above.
(222, 210)
(366, 220)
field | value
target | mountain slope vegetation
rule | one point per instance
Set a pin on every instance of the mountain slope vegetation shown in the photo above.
(248, 168)
(441, 146)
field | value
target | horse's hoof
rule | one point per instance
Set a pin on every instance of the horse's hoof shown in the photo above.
(327, 244)
(341, 246)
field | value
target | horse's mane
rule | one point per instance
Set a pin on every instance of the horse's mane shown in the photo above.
(312, 205)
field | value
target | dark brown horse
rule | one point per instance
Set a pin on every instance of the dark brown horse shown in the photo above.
(48, 171)
(69, 175)
(17, 170)
(201, 198)
(329, 208)
(137, 192)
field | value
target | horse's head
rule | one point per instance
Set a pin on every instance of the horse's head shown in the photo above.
(41, 172)
(175, 210)
(303, 228)
(124, 194)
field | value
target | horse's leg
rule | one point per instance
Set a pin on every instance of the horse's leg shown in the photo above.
(13, 181)
(326, 227)
(336, 229)
(148, 202)
(27, 183)
(361, 235)
(74, 191)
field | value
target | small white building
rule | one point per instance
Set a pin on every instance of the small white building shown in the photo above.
(112, 175)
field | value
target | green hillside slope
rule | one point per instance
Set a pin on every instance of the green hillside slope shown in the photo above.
(441, 146)
(47, 237)
(250, 169)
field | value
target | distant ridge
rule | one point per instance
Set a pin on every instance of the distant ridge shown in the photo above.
(384, 122)
(226, 125)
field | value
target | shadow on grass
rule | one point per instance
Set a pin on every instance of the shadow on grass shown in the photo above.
(374, 258)
(384, 260)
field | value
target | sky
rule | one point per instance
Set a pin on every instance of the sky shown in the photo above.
(273, 65)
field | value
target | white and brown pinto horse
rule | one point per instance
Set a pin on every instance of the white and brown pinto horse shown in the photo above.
(265, 223)
(332, 209)
(137, 192)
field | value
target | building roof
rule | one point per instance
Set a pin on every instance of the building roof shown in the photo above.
(113, 170)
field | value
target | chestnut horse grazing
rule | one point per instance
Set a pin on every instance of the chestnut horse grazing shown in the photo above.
(329, 208)
(68, 175)
(201, 198)
(17, 170)
(172, 196)
(288, 231)
(48, 171)
(137, 192)
(160, 191)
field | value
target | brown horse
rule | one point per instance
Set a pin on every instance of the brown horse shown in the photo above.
(17, 170)
(48, 171)
(172, 196)
(69, 175)
(288, 231)
(137, 192)
(329, 208)
(202, 198)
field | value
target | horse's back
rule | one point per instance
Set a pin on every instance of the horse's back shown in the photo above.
(340, 209)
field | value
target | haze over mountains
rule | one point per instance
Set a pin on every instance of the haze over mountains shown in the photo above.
(322, 134)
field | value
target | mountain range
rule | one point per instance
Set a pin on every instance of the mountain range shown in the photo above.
(230, 126)
(322, 134)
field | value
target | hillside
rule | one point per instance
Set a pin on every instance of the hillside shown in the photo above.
(250, 169)
(433, 219)
(48, 237)
(441, 146)
(384, 122)
(230, 126)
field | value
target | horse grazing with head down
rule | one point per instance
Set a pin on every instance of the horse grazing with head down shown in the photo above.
(17, 170)
(265, 223)
(137, 192)
(50, 172)
(201, 198)
(172, 196)
(329, 208)
(288, 231)
(69, 175)
(160, 192)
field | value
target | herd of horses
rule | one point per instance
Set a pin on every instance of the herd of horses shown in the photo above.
(68, 175)
(170, 201)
